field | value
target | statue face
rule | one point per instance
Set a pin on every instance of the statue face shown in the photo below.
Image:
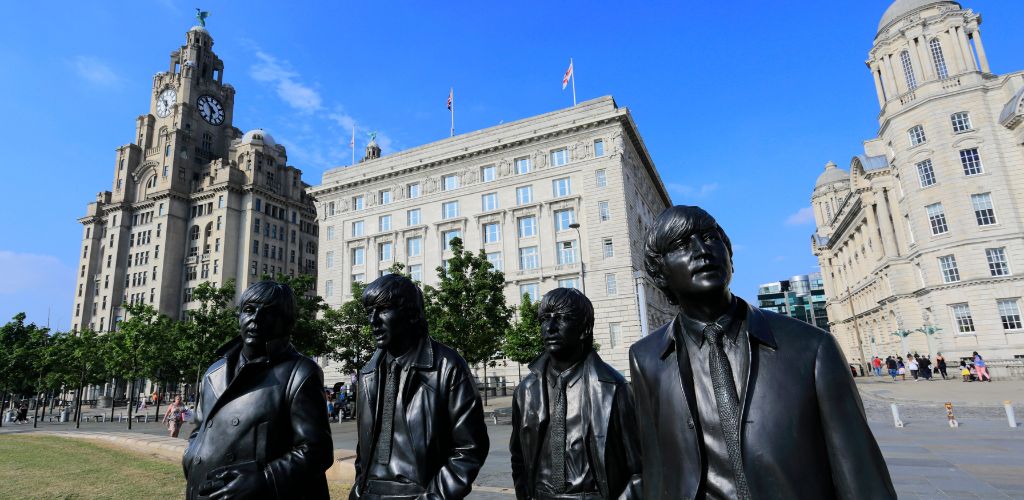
(261, 322)
(390, 326)
(563, 334)
(699, 265)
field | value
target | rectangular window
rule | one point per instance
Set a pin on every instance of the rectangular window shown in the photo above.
(598, 148)
(524, 195)
(414, 246)
(962, 317)
(357, 228)
(385, 196)
(937, 218)
(523, 166)
(566, 252)
(600, 177)
(259, 205)
(603, 212)
(492, 232)
(357, 202)
(330, 259)
(925, 173)
(561, 187)
(384, 222)
(495, 259)
(329, 288)
(997, 264)
(384, 251)
(983, 211)
(358, 256)
(961, 121)
(489, 202)
(568, 283)
(488, 173)
(330, 233)
(220, 202)
(448, 236)
(916, 134)
(559, 157)
(614, 334)
(449, 182)
(416, 272)
(563, 218)
(910, 228)
(971, 161)
(950, 273)
(610, 286)
(527, 226)
(450, 209)
(528, 258)
(531, 290)
(413, 190)
(413, 217)
(608, 248)
(1009, 313)
(359, 278)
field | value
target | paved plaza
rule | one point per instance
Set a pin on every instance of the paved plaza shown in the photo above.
(982, 458)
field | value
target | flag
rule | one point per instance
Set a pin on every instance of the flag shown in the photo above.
(450, 93)
(568, 75)
(352, 143)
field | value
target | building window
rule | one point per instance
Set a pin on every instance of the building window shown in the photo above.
(569, 283)
(603, 212)
(925, 173)
(614, 334)
(531, 290)
(961, 121)
(983, 211)
(937, 59)
(561, 187)
(610, 286)
(489, 202)
(566, 252)
(413, 217)
(359, 278)
(601, 178)
(937, 218)
(416, 272)
(358, 202)
(329, 288)
(414, 246)
(330, 233)
(450, 209)
(330, 259)
(950, 273)
(528, 259)
(527, 226)
(495, 259)
(384, 251)
(524, 195)
(962, 317)
(916, 134)
(971, 161)
(358, 256)
(523, 166)
(559, 157)
(448, 236)
(608, 248)
(413, 190)
(385, 196)
(488, 173)
(449, 182)
(908, 70)
(1009, 313)
(384, 222)
(997, 264)
(563, 218)
(357, 228)
(492, 232)
(598, 148)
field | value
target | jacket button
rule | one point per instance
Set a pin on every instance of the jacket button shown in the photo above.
(197, 460)
(230, 457)
(209, 424)
(689, 422)
(234, 421)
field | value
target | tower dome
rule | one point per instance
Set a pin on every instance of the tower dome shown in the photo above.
(831, 175)
(258, 134)
(901, 8)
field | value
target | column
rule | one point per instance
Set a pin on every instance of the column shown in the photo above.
(878, 86)
(927, 71)
(949, 42)
(896, 81)
(965, 46)
(982, 58)
(885, 227)
(893, 222)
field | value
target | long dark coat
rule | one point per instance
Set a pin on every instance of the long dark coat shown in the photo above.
(804, 434)
(273, 412)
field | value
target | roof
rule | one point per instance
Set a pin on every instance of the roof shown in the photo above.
(1012, 106)
(258, 134)
(901, 8)
(831, 174)
(869, 163)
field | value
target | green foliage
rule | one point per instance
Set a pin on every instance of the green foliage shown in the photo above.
(523, 341)
(309, 336)
(348, 327)
(467, 310)
(208, 327)
(21, 355)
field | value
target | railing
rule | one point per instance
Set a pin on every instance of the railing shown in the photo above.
(152, 152)
(951, 82)
(908, 98)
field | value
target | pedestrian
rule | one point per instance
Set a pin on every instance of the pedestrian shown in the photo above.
(965, 372)
(913, 366)
(877, 364)
(174, 417)
(940, 363)
(924, 369)
(330, 406)
(979, 366)
(892, 366)
(902, 369)
(22, 414)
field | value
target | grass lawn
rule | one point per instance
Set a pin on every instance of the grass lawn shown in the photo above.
(34, 466)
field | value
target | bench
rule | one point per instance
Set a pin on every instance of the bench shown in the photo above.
(502, 415)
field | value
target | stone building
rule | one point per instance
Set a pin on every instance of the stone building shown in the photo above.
(801, 297)
(192, 200)
(516, 191)
(920, 243)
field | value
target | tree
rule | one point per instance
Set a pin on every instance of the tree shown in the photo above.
(210, 326)
(348, 327)
(523, 341)
(17, 355)
(140, 346)
(309, 335)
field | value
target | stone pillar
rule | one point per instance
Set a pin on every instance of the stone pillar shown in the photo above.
(982, 58)
(920, 54)
(949, 42)
(894, 224)
(897, 83)
(965, 46)
(878, 86)
(885, 228)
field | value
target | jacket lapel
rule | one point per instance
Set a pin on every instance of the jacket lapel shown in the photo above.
(760, 334)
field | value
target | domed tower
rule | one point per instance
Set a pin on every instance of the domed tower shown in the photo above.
(830, 190)
(372, 149)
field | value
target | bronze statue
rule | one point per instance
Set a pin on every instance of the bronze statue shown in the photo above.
(736, 402)
(421, 424)
(261, 427)
(573, 428)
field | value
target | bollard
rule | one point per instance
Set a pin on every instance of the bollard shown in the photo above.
(896, 416)
(1010, 418)
(949, 414)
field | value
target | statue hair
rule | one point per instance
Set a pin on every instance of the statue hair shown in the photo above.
(272, 292)
(398, 291)
(569, 301)
(672, 227)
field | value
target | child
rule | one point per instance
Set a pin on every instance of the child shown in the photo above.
(965, 372)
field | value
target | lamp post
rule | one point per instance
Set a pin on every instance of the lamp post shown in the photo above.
(583, 268)
(928, 331)
(902, 334)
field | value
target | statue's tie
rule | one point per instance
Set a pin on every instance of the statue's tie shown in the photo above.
(558, 438)
(387, 423)
(728, 404)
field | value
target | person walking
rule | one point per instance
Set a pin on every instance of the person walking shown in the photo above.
(174, 417)
(892, 366)
(924, 367)
(940, 363)
(965, 372)
(877, 364)
(913, 366)
(979, 366)
(901, 369)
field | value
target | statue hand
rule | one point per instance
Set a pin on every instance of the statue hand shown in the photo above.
(244, 480)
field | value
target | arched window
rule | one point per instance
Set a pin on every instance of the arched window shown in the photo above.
(151, 183)
(908, 70)
(940, 62)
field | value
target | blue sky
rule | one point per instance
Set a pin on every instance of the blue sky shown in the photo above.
(740, 103)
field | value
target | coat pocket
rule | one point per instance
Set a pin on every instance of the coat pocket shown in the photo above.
(260, 443)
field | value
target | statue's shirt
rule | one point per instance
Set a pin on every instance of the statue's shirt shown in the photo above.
(720, 482)
(579, 478)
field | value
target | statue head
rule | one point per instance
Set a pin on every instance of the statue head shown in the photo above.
(397, 318)
(566, 324)
(266, 311)
(687, 254)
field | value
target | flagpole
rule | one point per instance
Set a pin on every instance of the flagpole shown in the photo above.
(451, 91)
(573, 78)
(353, 144)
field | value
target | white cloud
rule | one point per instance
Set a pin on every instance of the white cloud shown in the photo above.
(688, 191)
(296, 94)
(803, 216)
(95, 71)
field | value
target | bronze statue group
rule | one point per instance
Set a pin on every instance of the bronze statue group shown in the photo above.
(725, 401)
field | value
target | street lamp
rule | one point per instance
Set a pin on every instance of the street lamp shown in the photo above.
(583, 269)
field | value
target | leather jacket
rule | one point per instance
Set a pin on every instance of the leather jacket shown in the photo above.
(804, 434)
(443, 405)
(610, 429)
(273, 413)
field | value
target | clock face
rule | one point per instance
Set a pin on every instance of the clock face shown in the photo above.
(165, 102)
(211, 109)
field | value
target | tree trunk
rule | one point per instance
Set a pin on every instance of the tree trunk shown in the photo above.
(156, 416)
(35, 420)
(131, 397)
(3, 404)
(78, 406)
(485, 383)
